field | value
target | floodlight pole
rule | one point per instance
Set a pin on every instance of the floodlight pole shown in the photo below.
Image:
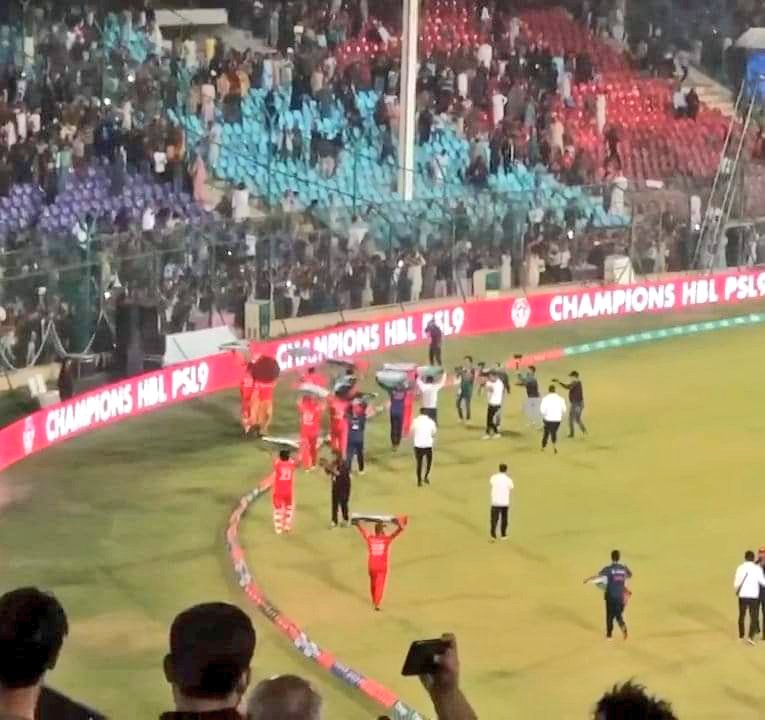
(407, 127)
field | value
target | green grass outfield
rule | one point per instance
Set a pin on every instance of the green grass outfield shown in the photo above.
(126, 526)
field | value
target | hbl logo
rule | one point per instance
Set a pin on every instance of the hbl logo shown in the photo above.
(520, 312)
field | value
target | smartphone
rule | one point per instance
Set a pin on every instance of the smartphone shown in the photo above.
(421, 658)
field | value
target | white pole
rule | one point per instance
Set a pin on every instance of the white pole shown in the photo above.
(407, 127)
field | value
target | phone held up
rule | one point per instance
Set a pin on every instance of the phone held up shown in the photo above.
(421, 658)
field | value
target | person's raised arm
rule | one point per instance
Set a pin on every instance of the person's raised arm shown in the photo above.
(443, 686)
(359, 524)
(442, 381)
(400, 525)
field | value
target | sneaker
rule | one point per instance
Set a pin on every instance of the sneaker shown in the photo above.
(503, 538)
(362, 472)
(377, 608)
(555, 450)
(332, 525)
(486, 437)
(497, 436)
(609, 638)
(492, 539)
(625, 634)
(427, 481)
(750, 641)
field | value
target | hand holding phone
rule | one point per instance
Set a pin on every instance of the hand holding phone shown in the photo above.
(421, 658)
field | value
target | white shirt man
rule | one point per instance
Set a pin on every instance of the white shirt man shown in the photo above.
(495, 394)
(498, 102)
(423, 432)
(501, 487)
(484, 55)
(748, 580)
(240, 203)
(552, 408)
(429, 390)
(149, 220)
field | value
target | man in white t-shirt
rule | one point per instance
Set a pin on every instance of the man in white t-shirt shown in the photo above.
(501, 487)
(149, 219)
(428, 389)
(552, 408)
(423, 432)
(240, 203)
(495, 394)
(747, 582)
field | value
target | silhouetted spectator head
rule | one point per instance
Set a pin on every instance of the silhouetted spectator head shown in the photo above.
(287, 697)
(632, 701)
(211, 648)
(33, 626)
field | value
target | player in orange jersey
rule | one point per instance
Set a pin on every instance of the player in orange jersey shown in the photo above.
(282, 493)
(309, 411)
(378, 549)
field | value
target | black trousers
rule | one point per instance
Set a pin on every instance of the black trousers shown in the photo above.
(463, 406)
(550, 432)
(762, 608)
(396, 429)
(340, 496)
(432, 413)
(614, 611)
(421, 454)
(498, 517)
(492, 419)
(356, 450)
(751, 606)
(434, 355)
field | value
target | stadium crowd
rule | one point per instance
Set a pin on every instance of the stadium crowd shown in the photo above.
(95, 171)
(208, 666)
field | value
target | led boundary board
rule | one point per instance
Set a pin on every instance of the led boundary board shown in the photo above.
(194, 379)
(539, 309)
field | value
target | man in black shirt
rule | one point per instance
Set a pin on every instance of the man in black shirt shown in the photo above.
(533, 399)
(616, 592)
(434, 351)
(340, 473)
(576, 401)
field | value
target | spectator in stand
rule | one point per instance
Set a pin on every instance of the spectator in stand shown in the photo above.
(286, 697)
(208, 665)
(631, 700)
(33, 626)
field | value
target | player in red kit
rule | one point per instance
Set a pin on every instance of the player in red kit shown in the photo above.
(309, 410)
(247, 394)
(378, 548)
(282, 492)
(338, 424)
(265, 391)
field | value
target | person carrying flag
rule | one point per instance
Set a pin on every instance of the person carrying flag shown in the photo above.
(309, 412)
(356, 424)
(378, 551)
(283, 492)
(398, 400)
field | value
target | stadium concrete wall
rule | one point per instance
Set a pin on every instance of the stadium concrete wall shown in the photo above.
(385, 331)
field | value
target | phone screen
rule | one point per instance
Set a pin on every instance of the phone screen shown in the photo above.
(420, 660)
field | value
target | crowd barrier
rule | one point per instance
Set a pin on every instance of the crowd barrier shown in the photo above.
(189, 380)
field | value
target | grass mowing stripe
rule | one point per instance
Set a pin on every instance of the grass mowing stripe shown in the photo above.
(664, 333)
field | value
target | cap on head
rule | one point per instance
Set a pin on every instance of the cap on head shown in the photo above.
(211, 647)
